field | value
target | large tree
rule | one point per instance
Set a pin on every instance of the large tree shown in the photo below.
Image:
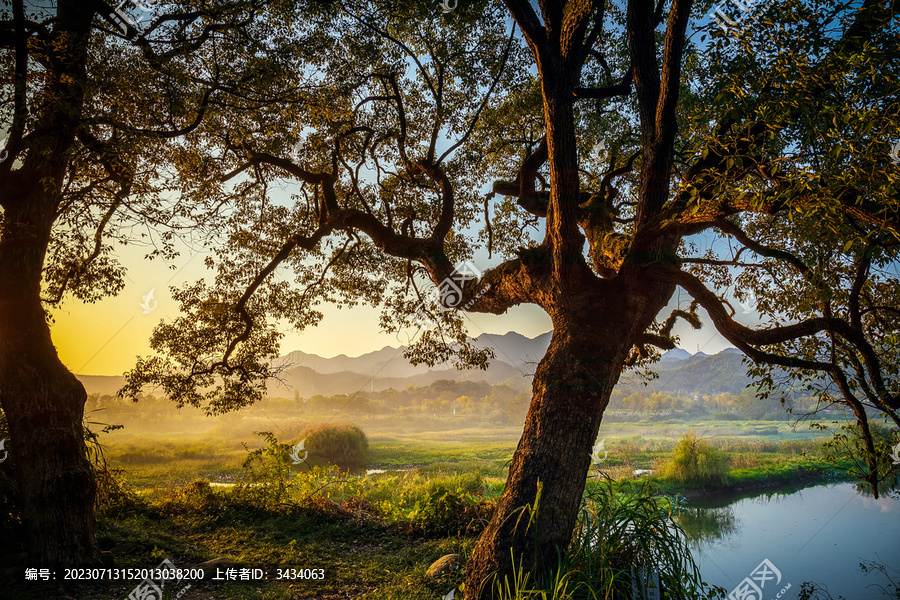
(395, 115)
(90, 102)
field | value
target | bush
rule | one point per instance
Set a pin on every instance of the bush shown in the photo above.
(696, 461)
(445, 511)
(195, 497)
(341, 444)
(624, 533)
(268, 471)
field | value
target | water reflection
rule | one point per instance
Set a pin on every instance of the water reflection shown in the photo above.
(706, 525)
(816, 533)
(889, 486)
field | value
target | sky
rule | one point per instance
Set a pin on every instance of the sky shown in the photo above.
(106, 337)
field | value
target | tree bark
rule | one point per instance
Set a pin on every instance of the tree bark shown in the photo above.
(44, 406)
(596, 323)
(572, 387)
(44, 402)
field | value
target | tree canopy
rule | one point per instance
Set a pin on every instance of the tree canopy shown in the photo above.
(393, 119)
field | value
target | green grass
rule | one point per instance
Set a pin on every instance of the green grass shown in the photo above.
(374, 535)
(153, 466)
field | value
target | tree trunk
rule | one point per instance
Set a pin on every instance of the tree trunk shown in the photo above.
(44, 406)
(42, 400)
(572, 387)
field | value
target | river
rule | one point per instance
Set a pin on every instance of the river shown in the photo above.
(818, 534)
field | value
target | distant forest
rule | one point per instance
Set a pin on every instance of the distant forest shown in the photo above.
(504, 403)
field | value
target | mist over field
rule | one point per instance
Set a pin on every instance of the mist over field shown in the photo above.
(414, 416)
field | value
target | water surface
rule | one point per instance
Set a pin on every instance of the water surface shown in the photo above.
(818, 534)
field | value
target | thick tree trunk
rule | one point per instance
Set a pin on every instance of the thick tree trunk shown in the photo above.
(42, 400)
(595, 325)
(44, 407)
(572, 387)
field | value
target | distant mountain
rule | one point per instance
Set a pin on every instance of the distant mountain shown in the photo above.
(675, 354)
(515, 349)
(387, 362)
(308, 382)
(516, 357)
(697, 374)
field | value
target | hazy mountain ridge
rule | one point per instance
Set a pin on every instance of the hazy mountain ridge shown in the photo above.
(699, 374)
(516, 357)
(381, 362)
(516, 349)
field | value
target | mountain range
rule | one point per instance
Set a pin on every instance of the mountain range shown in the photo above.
(516, 357)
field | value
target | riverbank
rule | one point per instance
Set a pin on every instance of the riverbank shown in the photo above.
(742, 481)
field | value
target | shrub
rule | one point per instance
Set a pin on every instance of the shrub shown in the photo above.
(342, 444)
(694, 460)
(195, 497)
(624, 533)
(266, 483)
(445, 511)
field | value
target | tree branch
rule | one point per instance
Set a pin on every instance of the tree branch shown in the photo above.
(531, 27)
(746, 339)
(623, 88)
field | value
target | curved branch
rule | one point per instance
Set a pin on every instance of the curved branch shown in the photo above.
(77, 268)
(156, 134)
(761, 249)
(746, 338)
(501, 288)
(305, 242)
(523, 186)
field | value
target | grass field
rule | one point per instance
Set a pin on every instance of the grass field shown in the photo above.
(155, 461)
(189, 498)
